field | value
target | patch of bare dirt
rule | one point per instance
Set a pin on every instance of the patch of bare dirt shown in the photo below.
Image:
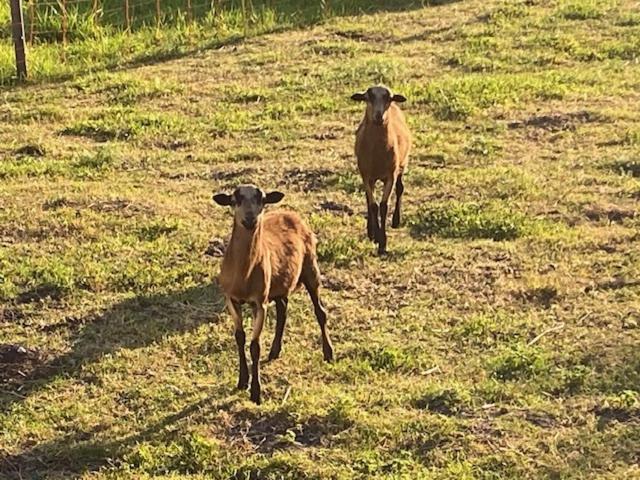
(608, 415)
(10, 234)
(175, 144)
(216, 248)
(325, 136)
(431, 160)
(281, 430)
(627, 167)
(361, 36)
(228, 178)
(540, 419)
(336, 284)
(543, 296)
(233, 175)
(10, 314)
(120, 205)
(556, 122)
(336, 207)
(30, 151)
(329, 131)
(306, 180)
(613, 284)
(45, 291)
(612, 213)
(485, 430)
(67, 323)
(619, 244)
(17, 362)
(191, 175)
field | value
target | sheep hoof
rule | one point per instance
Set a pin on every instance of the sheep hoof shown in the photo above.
(273, 355)
(255, 398)
(327, 350)
(395, 223)
(242, 385)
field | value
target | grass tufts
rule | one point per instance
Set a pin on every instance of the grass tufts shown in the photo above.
(468, 220)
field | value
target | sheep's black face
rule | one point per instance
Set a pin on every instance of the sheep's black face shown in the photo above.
(378, 102)
(249, 202)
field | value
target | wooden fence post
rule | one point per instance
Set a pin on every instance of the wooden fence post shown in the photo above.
(63, 3)
(32, 19)
(245, 18)
(127, 15)
(158, 14)
(189, 12)
(17, 23)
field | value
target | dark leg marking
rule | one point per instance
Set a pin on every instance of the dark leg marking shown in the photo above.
(255, 371)
(395, 222)
(243, 376)
(281, 318)
(370, 225)
(382, 234)
(375, 226)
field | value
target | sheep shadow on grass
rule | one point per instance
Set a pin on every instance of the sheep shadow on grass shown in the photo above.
(131, 324)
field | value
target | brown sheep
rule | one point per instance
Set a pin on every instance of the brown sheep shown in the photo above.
(383, 142)
(269, 256)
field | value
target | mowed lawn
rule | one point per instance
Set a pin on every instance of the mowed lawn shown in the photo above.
(499, 338)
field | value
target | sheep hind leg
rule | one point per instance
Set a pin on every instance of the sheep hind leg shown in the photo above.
(281, 318)
(395, 222)
(311, 281)
(384, 207)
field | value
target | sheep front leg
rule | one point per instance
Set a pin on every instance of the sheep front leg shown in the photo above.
(395, 222)
(384, 207)
(236, 314)
(372, 212)
(259, 314)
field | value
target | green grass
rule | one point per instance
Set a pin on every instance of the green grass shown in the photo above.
(496, 340)
(99, 39)
(469, 221)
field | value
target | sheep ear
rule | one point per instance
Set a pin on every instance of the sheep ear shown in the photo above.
(223, 199)
(399, 98)
(273, 197)
(359, 97)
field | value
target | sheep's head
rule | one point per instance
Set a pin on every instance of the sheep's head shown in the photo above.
(248, 202)
(378, 102)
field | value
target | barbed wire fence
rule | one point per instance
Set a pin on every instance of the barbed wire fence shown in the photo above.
(34, 22)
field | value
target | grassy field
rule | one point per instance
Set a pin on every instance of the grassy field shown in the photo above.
(96, 35)
(498, 340)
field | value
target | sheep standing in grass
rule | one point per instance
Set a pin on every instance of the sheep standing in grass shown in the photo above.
(383, 142)
(268, 257)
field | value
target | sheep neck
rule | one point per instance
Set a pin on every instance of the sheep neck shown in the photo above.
(379, 134)
(245, 249)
